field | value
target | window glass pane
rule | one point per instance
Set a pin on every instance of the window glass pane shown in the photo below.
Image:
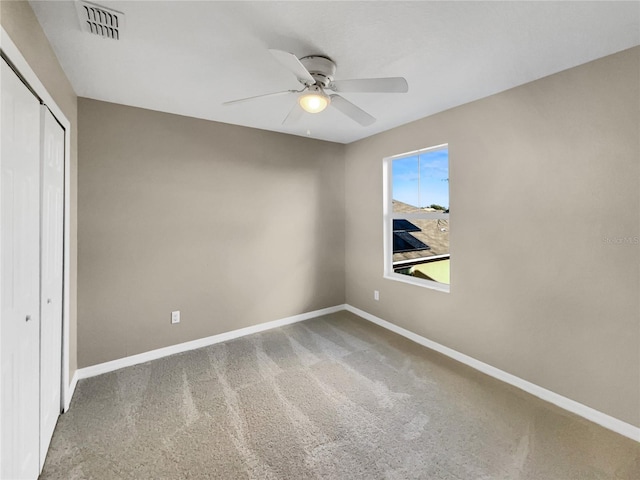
(421, 182)
(421, 248)
(434, 180)
(405, 188)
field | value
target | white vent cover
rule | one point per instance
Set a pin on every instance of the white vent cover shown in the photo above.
(100, 21)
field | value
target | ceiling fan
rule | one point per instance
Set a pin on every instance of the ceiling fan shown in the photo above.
(315, 73)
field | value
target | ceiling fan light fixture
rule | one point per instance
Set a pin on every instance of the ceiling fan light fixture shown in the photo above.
(314, 101)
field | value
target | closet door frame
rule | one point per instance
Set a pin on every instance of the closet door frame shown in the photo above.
(12, 54)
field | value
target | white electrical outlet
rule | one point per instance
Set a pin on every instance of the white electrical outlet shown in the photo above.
(175, 316)
(376, 295)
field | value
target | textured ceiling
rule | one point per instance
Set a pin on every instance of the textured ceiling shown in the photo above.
(190, 57)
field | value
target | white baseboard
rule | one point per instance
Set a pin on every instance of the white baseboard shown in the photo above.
(106, 367)
(68, 395)
(565, 403)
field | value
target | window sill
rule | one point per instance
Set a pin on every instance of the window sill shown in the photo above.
(441, 287)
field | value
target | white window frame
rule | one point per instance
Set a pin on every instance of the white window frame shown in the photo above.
(389, 215)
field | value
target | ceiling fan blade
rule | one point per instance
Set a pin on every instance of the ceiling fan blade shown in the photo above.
(371, 85)
(351, 111)
(290, 61)
(275, 94)
(294, 114)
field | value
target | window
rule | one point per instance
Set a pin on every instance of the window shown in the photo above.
(416, 217)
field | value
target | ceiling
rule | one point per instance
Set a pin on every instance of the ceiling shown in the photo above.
(189, 57)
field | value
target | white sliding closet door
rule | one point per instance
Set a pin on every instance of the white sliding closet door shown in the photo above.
(51, 277)
(20, 279)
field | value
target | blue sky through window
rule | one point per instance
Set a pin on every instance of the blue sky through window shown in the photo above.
(422, 180)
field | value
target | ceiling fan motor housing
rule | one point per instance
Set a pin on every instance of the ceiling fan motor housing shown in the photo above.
(322, 69)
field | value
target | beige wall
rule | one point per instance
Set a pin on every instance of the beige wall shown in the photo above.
(21, 24)
(230, 225)
(541, 176)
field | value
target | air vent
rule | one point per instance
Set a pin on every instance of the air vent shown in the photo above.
(100, 21)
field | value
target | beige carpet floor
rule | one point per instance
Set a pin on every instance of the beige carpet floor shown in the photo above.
(334, 398)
